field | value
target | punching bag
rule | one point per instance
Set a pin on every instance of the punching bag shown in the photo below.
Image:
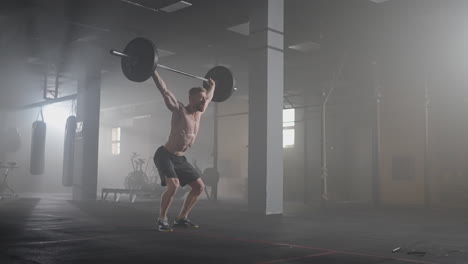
(68, 152)
(38, 147)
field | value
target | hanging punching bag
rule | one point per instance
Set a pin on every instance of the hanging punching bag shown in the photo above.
(38, 147)
(68, 152)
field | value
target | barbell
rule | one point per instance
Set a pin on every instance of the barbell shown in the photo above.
(140, 59)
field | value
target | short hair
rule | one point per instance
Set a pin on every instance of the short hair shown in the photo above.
(195, 90)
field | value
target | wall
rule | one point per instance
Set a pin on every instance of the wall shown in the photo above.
(357, 152)
(114, 168)
(403, 125)
(448, 135)
(51, 181)
(233, 149)
(293, 177)
(403, 133)
(313, 157)
(349, 145)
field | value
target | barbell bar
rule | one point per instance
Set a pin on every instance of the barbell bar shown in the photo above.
(140, 59)
(123, 55)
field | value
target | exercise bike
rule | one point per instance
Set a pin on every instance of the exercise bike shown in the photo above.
(137, 179)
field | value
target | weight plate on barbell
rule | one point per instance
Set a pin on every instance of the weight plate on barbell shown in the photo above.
(224, 83)
(142, 60)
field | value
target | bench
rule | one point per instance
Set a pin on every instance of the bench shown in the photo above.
(117, 193)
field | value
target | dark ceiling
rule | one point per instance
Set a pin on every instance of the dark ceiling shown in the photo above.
(50, 36)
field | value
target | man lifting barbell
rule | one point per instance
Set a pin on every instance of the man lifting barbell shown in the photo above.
(173, 167)
(139, 63)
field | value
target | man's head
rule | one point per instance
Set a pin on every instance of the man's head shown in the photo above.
(197, 98)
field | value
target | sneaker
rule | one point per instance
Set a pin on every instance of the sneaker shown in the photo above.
(163, 226)
(185, 222)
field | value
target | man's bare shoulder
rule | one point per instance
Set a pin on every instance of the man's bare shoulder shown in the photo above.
(181, 109)
(181, 106)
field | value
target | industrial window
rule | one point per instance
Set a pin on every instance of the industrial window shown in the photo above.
(288, 128)
(116, 141)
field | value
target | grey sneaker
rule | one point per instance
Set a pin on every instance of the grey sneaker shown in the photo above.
(185, 222)
(163, 226)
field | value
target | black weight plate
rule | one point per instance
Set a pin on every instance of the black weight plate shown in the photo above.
(142, 61)
(224, 83)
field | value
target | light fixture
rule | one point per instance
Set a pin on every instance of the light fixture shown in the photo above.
(176, 6)
(243, 29)
(142, 117)
(305, 46)
(164, 53)
(379, 1)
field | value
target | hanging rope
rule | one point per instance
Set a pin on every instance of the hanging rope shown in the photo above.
(41, 114)
(72, 109)
(75, 107)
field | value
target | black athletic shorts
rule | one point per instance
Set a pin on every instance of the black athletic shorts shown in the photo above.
(173, 166)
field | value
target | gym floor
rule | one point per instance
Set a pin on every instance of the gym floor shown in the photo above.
(53, 229)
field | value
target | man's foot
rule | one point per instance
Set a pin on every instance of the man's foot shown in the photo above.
(163, 226)
(184, 222)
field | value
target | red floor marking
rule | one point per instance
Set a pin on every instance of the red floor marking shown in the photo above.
(64, 240)
(295, 258)
(306, 247)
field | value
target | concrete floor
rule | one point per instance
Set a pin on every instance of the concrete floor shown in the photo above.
(55, 230)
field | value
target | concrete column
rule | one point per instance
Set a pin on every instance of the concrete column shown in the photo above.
(214, 191)
(87, 136)
(377, 137)
(266, 81)
(3, 120)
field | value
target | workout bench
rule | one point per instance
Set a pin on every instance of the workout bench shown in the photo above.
(117, 193)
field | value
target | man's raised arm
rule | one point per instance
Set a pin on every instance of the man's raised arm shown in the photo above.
(170, 100)
(210, 90)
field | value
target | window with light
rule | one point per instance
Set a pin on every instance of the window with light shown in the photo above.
(116, 141)
(288, 128)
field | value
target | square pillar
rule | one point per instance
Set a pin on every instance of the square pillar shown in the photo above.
(87, 136)
(266, 81)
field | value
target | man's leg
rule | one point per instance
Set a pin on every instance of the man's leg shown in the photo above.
(197, 189)
(168, 197)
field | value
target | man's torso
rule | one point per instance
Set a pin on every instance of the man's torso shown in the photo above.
(184, 130)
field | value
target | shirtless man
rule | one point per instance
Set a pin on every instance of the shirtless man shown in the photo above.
(174, 169)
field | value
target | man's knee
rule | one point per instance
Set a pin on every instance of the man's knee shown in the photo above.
(172, 184)
(198, 187)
